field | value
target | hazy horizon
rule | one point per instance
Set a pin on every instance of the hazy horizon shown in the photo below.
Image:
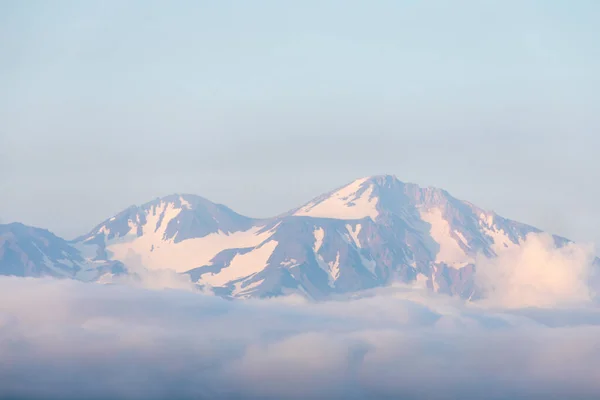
(105, 105)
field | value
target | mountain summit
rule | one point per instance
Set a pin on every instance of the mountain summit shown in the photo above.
(368, 233)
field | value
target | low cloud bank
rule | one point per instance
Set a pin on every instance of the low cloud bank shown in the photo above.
(536, 335)
(537, 273)
(66, 339)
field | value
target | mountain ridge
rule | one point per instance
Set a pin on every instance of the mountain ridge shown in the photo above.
(36, 252)
(367, 233)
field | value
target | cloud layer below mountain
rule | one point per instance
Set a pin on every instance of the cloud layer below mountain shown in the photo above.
(67, 339)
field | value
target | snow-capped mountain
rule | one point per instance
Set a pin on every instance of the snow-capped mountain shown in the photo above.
(178, 232)
(368, 233)
(35, 252)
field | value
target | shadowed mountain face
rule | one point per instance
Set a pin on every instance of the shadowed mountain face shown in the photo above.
(28, 251)
(34, 252)
(369, 233)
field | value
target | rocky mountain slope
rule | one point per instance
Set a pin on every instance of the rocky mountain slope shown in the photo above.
(35, 252)
(368, 233)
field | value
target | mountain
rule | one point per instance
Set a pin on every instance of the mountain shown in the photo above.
(178, 232)
(367, 233)
(35, 252)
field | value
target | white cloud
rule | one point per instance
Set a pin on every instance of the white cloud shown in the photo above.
(151, 279)
(138, 275)
(67, 339)
(537, 274)
(70, 339)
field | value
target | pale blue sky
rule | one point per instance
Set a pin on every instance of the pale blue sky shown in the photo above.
(262, 105)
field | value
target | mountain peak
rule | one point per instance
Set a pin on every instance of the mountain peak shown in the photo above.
(369, 197)
(352, 201)
(381, 179)
(178, 200)
(173, 217)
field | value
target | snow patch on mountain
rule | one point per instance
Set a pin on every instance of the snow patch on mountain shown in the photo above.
(499, 238)
(354, 231)
(319, 235)
(335, 267)
(157, 253)
(461, 237)
(450, 252)
(292, 262)
(242, 265)
(184, 203)
(241, 291)
(354, 201)
(332, 269)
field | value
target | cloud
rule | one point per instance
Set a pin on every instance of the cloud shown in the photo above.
(67, 339)
(152, 279)
(138, 275)
(538, 273)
